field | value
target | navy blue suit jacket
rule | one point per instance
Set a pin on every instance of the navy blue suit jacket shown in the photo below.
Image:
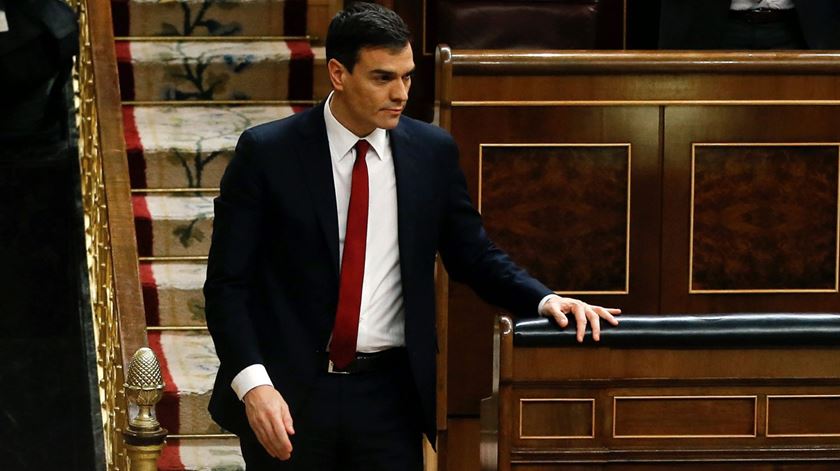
(273, 271)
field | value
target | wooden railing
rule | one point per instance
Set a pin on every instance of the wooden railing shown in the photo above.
(115, 292)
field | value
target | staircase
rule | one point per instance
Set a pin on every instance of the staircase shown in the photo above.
(194, 74)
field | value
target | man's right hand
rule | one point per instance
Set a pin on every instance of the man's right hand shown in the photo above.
(270, 420)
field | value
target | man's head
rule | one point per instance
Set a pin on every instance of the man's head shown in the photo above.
(370, 65)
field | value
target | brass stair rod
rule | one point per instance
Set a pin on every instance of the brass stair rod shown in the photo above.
(145, 438)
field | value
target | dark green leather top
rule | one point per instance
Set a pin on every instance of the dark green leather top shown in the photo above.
(692, 331)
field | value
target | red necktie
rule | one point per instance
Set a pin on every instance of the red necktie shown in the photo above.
(343, 344)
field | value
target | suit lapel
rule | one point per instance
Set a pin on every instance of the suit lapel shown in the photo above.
(316, 162)
(408, 187)
(317, 168)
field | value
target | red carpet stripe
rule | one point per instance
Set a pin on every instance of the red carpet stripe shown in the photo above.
(170, 457)
(121, 17)
(167, 409)
(300, 70)
(134, 150)
(143, 226)
(150, 294)
(125, 69)
(294, 18)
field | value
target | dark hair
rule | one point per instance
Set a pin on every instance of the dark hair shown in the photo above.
(362, 25)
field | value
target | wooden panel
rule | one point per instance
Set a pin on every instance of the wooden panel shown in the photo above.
(462, 445)
(764, 218)
(684, 417)
(662, 105)
(678, 466)
(470, 320)
(601, 89)
(574, 240)
(587, 363)
(553, 418)
(803, 416)
(817, 126)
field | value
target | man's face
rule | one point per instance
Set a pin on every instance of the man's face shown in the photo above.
(375, 94)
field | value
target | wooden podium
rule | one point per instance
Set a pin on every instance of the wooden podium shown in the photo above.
(658, 182)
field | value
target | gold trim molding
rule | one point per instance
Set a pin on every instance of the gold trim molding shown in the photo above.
(175, 258)
(141, 191)
(547, 103)
(176, 328)
(795, 435)
(217, 103)
(211, 39)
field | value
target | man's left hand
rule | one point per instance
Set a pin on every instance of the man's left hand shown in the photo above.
(558, 307)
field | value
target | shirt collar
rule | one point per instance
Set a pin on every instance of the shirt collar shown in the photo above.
(341, 139)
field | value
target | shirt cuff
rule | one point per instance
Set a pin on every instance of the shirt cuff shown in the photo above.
(249, 378)
(543, 301)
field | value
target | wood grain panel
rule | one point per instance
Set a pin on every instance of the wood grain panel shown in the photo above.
(684, 417)
(561, 211)
(775, 125)
(764, 217)
(803, 416)
(556, 418)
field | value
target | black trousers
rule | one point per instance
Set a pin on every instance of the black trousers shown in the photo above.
(367, 421)
(783, 34)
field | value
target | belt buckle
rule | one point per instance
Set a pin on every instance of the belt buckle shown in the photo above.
(331, 369)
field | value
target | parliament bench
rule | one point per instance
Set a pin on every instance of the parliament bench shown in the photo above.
(750, 391)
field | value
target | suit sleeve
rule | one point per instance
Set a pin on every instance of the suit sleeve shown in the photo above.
(231, 263)
(471, 257)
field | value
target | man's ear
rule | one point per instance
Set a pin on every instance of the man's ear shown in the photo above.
(337, 73)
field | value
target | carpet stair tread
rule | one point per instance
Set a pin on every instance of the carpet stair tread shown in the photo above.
(202, 454)
(172, 293)
(219, 70)
(188, 365)
(209, 17)
(188, 146)
(173, 225)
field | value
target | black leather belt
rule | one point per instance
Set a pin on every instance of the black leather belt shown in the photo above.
(763, 15)
(368, 362)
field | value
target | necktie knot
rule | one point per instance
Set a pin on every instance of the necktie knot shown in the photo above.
(362, 147)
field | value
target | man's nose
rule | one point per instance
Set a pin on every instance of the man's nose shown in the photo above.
(399, 92)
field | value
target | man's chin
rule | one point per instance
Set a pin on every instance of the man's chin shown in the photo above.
(390, 123)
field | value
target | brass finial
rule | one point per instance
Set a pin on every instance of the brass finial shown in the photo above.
(145, 388)
(144, 438)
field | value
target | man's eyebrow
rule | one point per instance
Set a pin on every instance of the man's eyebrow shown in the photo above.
(390, 73)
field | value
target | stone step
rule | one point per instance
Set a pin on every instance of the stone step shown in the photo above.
(188, 146)
(173, 225)
(189, 364)
(220, 70)
(201, 454)
(172, 293)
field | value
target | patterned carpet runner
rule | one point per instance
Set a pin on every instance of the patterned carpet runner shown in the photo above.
(194, 74)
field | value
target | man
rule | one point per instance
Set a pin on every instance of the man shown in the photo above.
(749, 24)
(320, 289)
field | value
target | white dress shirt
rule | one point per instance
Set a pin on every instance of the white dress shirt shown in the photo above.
(381, 316)
(742, 5)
